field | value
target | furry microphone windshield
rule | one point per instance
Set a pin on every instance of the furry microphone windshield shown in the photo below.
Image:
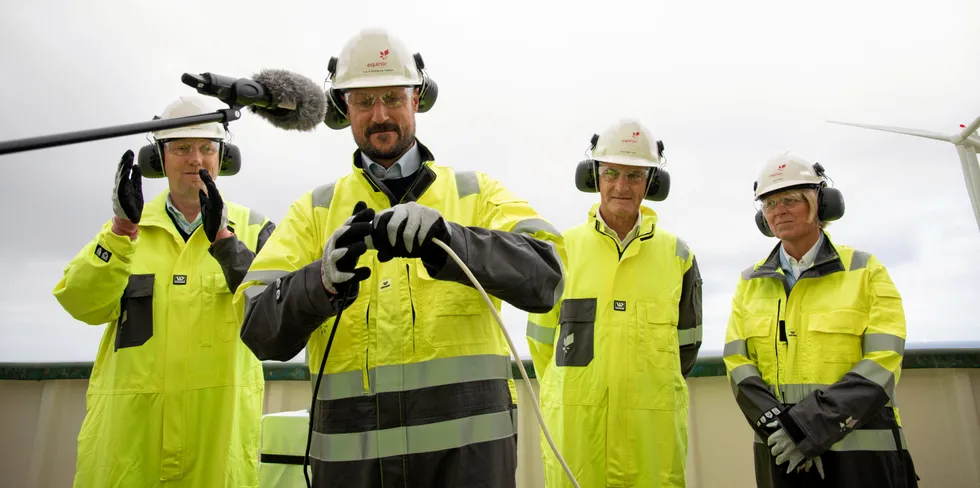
(301, 103)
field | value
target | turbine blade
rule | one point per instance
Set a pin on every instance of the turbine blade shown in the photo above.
(900, 130)
(970, 129)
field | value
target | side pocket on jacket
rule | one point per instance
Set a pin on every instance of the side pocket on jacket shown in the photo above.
(576, 340)
(135, 323)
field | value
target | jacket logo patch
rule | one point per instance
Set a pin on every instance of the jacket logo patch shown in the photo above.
(102, 253)
(619, 305)
(569, 340)
(385, 284)
(180, 279)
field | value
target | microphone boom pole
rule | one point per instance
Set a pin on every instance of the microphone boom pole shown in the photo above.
(65, 138)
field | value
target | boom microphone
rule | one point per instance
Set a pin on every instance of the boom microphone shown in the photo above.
(285, 99)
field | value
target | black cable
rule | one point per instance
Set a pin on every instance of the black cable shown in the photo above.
(323, 362)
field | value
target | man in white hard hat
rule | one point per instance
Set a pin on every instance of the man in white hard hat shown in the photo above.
(175, 397)
(417, 387)
(612, 356)
(815, 343)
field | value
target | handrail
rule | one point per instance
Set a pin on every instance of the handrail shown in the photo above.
(926, 355)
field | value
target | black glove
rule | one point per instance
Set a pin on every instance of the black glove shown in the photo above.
(214, 214)
(406, 231)
(127, 198)
(342, 250)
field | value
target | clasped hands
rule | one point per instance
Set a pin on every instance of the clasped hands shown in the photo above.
(405, 230)
(784, 449)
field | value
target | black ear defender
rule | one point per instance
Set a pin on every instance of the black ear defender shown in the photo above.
(830, 202)
(151, 162)
(336, 117)
(658, 185)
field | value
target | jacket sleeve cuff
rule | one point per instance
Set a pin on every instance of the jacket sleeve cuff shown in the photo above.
(121, 246)
(796, 432)
(439, 264)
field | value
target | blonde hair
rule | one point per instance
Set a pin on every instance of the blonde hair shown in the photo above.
(809, 195)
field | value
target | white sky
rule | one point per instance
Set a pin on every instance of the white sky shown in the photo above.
(523, 86)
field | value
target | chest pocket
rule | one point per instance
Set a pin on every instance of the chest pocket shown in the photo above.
(452, 314)
(135, 324)
(837, 335)
(219, 318)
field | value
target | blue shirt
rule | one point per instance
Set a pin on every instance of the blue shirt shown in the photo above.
(188, 227)
(794, 268)
(406, 165)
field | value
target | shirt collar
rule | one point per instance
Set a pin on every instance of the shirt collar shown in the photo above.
(406, 165)
(629, 235)
(789, 263)
(188, 227)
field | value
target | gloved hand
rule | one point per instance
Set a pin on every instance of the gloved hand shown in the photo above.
(344, 247)
(214, 214)
(406, 230)
(783, 448)
(127, 197)
(810, 463)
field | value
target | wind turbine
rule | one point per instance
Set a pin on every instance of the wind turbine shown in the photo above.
(967, 144)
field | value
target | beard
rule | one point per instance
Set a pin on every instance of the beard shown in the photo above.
(402, 142)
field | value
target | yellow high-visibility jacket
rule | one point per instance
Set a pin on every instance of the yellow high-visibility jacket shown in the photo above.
(175, 397)
(417, 389)
(611, 358)
(822, 358)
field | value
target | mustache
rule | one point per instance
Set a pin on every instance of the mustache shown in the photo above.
(374, 129)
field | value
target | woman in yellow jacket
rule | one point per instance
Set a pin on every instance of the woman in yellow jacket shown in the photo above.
(613, 354)
(815, 343)
(175, 397)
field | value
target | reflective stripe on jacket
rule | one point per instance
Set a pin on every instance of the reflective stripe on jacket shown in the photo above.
(174, 395)
(823, 358)
(612, 357)
(418, 379)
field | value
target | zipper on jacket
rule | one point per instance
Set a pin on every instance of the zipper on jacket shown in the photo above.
(776, 347)
(411, 301)
(366, 383)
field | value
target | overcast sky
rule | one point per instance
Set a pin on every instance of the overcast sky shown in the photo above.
(522, 87)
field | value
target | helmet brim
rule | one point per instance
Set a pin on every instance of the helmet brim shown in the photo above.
(783, 186)
(380, 81)
(627, 161)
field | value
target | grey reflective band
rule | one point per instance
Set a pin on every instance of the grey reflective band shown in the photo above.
(541, 334)
(795, 393)
(682, 250)
(359, 446)
(265, 277)
(736, 347)
(413, 376)
(865, 440)
(323, 195)
(743, 372)
(467, 183)
(883, 342)
(530, 226)
(859, 260)
(688, 336)
(255, 218)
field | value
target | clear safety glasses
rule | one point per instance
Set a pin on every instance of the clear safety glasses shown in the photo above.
(183, 148)
(365, 101)
(632, 176)
(788, 201)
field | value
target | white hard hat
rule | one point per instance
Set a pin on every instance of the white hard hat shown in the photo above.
(628, 142)
(183, 107)
(785, 170)
(374, 57)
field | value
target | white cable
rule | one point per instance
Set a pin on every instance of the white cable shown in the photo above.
(513, 351)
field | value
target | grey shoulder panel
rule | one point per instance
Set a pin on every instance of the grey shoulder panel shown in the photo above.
(323, 195)
(467, 183)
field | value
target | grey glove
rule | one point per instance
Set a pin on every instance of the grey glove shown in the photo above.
(406, 231)
(127, 194)
(784, 449)
(810, 463)
(344, 247)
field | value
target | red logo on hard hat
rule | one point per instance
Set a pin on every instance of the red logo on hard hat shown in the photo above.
(632, 138)
(384, 54)
(779, 170)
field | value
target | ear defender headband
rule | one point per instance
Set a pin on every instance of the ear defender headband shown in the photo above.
(336, 117)
(658, 183)
(830, 202)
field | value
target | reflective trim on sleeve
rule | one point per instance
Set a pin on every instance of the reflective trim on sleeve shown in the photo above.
(686, 337)
(540, 333)
(744, 372)
(795, 393)
(265, 277)
(467, 183)
(413, 439)
(883, 342)
(736, 347)
(323, 195)
(413, 376)
(859, 260)
(255, 218)
(530, 226)
(682, 249)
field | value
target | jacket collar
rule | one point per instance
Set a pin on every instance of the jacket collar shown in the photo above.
(827, 261)
(424, 176)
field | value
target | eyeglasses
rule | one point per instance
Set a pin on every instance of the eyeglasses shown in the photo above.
(366, 100)
(788, 201)
(184, 148)
(632, 176)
